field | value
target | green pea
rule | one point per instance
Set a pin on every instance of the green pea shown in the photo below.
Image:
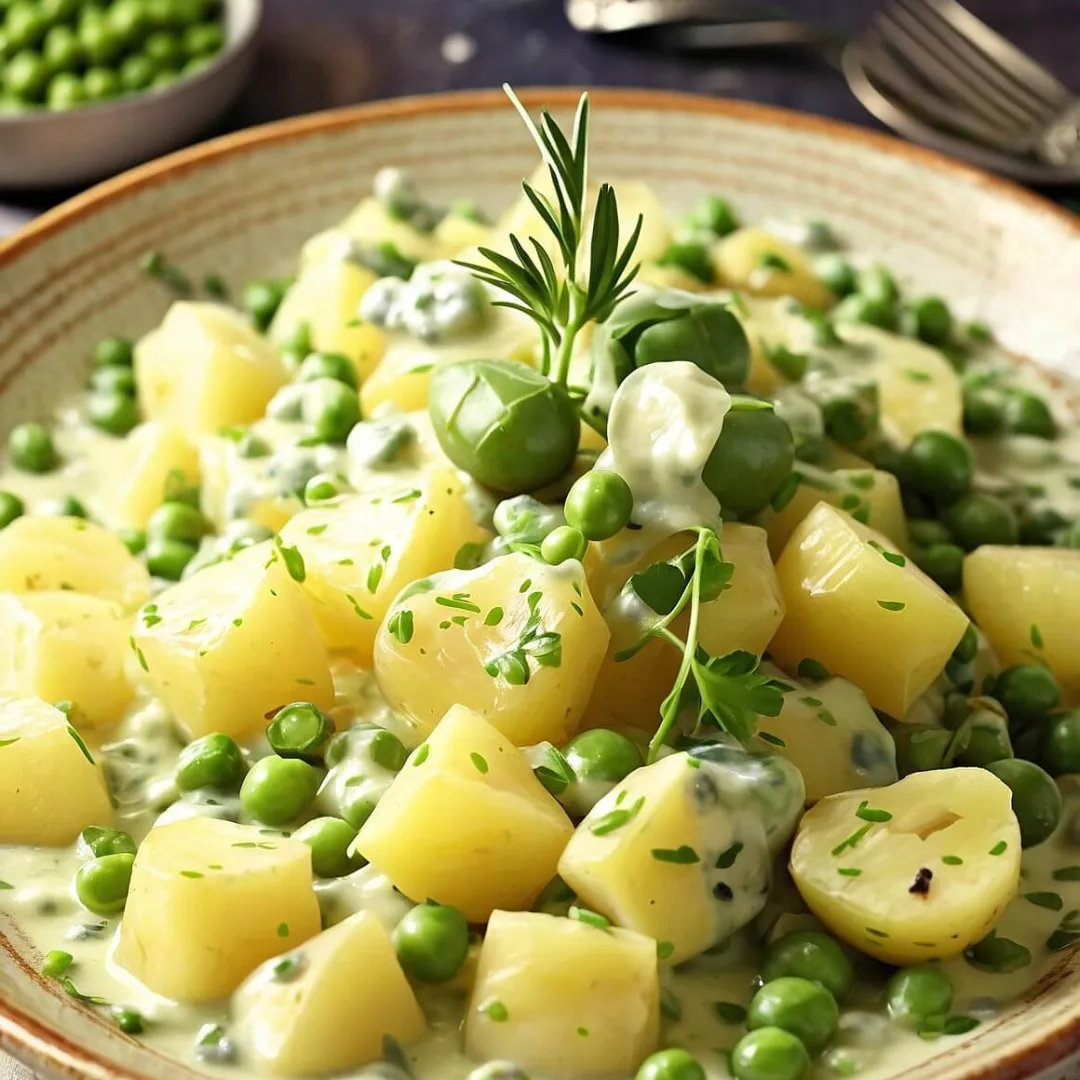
(278, 790)
(983, 412)
(862, 309)
(713, 215)
(115, 414)
(563, 543)
(101, 44)
(166, 559)
(876, 283)
(61, 506)
(925, 532)
(11, 507)
(212, 761)
(26, 75)
(798, 1006)
(25, 26)
(251, 445)
(56, 963)
(837, 273)
(96, 841)
(509, 427)
(817, 957)
(978, 519)
(128, 1020)
(164, 49)
(59, 11)
(1061, 743)
(330, 409)
(932, 319)
(525, 520)
(938, 465)
(298, 730)
(204, 40)
(102, 884)
(101, 84)
(137, 72)
(330, 839)
(129, 20)
(176, 521)
(298, 341)
(769, 1053)
(601, 754)
(968, 647)
(261, 299)
(113, 380)
(164, 79)
(751, 460)
(692, 258)
(943, 563)
(1027, 692)
(599, 504)
(987, 739)
(1025, 413)
(134, 540)
(1042, 524)
(31, 449)
(915, 994)
(323, 487)
(432, 942)
(388, 751)
(673, 1064)
(1036, 800)
(62, 50)
(328, 366)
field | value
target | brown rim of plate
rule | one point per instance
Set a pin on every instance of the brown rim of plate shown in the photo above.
(30, 1039)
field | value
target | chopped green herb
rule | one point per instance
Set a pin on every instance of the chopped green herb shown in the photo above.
(80, 744)
(866, 812)
(1067, 873)
(852, 841)
(848, 871)
(459, 601)
(495, 1011)
(1036, 637)
(772, 740)
(293, 560)
(616, 819)
(915, 375)
(480, 762)
(493, 617)
(726, 860)
(952, 860)
(591, 918)
(683, 856)
(892, 605)
(813, 670)
(401, 626)
(421, 754)
(283, 930)
(1049, 900)
(191, 874)
(664, 949)
(813, 702)
(730, 1012)
(999, 848)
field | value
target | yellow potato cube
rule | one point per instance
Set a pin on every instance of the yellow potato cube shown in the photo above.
(466, 822)
(957, 823)
(1026, 600)
(371, 223)
(362, 550)
(516, 640)
(759, 263)
(864, 611)
(326, 296)
(205, 368)
(155, 456)
(49, 554)
(564, 999)
(232, 643)
(63, 646)
(349, 993)
(828, 731)
(870, 496)
(681, 850)
(211, 900)
(455, 234)
(50, 786)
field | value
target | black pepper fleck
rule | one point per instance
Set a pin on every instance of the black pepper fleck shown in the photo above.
(921, 884)
(722, 891)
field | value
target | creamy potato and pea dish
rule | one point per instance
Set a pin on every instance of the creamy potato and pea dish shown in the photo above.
(592, 644)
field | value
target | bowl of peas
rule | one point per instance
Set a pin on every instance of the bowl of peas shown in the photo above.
(90, 87)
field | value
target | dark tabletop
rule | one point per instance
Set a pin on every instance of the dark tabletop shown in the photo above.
(316, 54)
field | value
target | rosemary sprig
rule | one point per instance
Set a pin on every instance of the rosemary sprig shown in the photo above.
(552, 297)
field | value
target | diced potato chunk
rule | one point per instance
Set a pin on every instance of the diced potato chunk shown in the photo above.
(205, 368)
(455, 233)
(466, 822)
(326, 296)
(871, 496)
(828, 731)
(231, 643)
(564, 999)
(1026, 600)
(154, 455)
(764, 265)
(858, 607)
(363, 550)
(50, 787)
(515, 640)
(681, 850)
(370, 223)
(64, 646)
(349, 993)
(211, 900)
(917, 387)
(403, 375)
(957, 823)
(744, 617)
(47, 554)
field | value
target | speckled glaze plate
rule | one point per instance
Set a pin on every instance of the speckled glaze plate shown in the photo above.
(243, 205)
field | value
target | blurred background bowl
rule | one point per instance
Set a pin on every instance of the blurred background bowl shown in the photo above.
(48, 149)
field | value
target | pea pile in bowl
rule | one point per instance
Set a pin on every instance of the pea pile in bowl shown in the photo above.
(593, 644)
(61, 54)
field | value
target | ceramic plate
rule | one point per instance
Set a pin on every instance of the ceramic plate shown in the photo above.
(243, 205)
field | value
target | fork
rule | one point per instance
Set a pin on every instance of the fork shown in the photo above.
(951, 67)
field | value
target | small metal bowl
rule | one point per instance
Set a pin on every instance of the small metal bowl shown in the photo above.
(50, 149)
